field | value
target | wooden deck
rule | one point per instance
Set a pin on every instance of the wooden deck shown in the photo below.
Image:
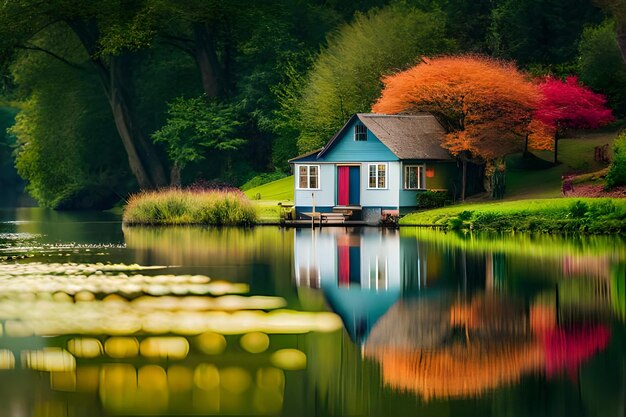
(340, 216)
(308, 223)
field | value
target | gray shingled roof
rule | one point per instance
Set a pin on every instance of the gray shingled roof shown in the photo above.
(408, 136)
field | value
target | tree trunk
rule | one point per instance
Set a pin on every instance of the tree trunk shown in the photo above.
(499, 179)
(119, 99)
(490, 169)
(175, 180)
(464, 180)
(526, 153)
(207, 61)
(556, 148)
(621, 38)
(142, 158)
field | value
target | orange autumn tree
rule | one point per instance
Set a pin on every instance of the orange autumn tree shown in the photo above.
(486, 105)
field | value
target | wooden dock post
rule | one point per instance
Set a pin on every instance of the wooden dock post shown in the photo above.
(313, 214)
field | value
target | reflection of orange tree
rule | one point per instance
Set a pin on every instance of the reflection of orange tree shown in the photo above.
(500, 345)
(457, 371)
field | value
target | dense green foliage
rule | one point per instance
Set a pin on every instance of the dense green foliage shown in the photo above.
(197, 126)
(65, 152)
(9, 179)
(346, 76)
(617, 170)
(146, 54)
(117, 96)
(540, 32)
(432, 199)
(601, 67)
(176, 206)
(549, 215)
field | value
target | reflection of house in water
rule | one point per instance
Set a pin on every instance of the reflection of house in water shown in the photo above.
(442, 324)
(362, 273)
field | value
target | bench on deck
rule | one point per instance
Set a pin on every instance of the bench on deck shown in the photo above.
(328, 218)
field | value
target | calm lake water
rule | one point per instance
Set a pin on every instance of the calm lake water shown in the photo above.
(101, 320)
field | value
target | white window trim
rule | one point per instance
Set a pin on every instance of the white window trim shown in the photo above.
(354, 133)
(386, 187)
(308, 173)
(421, 180)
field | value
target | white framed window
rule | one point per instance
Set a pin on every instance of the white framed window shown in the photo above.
(360, 132)
(377, 176)
(414, 177)
(308, 177)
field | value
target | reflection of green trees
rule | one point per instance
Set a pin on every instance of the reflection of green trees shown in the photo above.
(62, 226)
(618, 290)
(594, 297)
(535, 245)
(262, 255)
(194, 245)
(343, 383)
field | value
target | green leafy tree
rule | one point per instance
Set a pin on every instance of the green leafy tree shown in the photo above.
(600, 65)
(345, 77)
(9, 180)
(618, 9)
(24, 23)
(66, 147)
(196, 126)
(542, 32)
(468, 22)
(617, 170)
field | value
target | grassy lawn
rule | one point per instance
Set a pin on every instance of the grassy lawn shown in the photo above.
(281, 190)
(539, 178)
(552, 214)
(533, 185)
(271, 194)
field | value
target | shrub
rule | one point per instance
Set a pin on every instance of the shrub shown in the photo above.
(617, 170)
(577, 209)
(465, 215)
(601, 208)
(455, 223)
(190, 206)
(432, 199)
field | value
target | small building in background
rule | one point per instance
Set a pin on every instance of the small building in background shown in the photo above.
(375, 163)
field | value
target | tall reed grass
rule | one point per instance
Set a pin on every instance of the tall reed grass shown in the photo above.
(189, 206)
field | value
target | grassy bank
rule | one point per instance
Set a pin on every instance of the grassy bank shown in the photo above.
(537, 177)
(267, 196)
(178, 207)
(280, 190)
(605, 215)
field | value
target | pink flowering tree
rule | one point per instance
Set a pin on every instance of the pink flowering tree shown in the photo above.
(569, 104)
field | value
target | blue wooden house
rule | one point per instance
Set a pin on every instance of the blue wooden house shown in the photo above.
(375, 163)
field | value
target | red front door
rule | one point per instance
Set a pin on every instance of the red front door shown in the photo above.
(343, 185)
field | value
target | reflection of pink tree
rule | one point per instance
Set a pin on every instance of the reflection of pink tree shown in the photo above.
(567, 349)
(587, 266)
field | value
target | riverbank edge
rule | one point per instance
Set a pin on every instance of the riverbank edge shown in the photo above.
(177, 207)
(559, 215)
